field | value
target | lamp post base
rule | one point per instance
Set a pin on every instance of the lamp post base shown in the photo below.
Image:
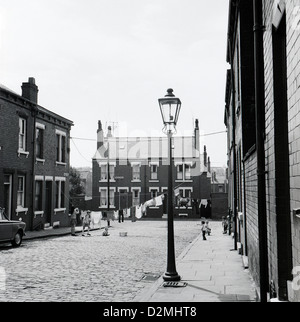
(171, 277)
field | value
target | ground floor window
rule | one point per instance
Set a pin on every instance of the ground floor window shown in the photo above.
(60, 194)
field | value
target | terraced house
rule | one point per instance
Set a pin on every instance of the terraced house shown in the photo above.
(129, 171)
(34, 159)
(262, 116)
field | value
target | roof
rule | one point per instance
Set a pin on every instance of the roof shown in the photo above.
(40, 108)
(144, 148)
(7, 89)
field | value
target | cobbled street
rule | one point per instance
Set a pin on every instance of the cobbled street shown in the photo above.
(93, 269)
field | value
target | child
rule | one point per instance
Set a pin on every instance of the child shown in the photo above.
(105, 232)
(225, 225)
(208, 229)
(203, 229)
(86, 221)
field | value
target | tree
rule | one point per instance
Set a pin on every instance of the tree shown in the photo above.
(76, 186)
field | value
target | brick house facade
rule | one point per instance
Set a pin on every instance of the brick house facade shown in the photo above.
(265, 128)
(34, 159)
(138, 173)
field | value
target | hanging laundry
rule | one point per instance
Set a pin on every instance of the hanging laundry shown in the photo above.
(138, 212)
(126, 213)
(204, 202)
(150, 203)
(158, 201)
(116, 215)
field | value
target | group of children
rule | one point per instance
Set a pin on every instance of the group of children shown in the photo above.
(205, 229)
(86, 222)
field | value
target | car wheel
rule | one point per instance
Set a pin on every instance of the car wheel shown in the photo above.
(17, 241)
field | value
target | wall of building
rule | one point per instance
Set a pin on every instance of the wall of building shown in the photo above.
(15, 163)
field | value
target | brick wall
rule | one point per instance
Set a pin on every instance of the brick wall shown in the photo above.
(293, 74)
(251, 213)
(12, 107)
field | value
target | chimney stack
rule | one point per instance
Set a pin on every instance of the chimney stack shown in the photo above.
(109, 134)
(30, 90)
(99, 135)
(208, 165)
(205, 156)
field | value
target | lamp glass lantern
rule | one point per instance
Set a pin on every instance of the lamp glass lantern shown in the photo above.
(169, 108)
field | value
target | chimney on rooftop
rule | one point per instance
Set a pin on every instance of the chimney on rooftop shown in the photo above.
(99, 135)
(109, 134)
(30, 90)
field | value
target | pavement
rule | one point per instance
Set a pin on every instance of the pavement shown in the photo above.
(211, 271)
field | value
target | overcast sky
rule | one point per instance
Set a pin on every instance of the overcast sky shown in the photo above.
(111, 60)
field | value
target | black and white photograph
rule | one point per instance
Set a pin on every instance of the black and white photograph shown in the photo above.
(149, 154)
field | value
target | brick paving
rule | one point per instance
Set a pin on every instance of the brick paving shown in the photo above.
(95, 268)
(124, 269)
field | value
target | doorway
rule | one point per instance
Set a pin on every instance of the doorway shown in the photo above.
(48, 202)
(8, 194)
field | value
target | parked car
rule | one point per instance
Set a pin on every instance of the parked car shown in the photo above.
(11, 230)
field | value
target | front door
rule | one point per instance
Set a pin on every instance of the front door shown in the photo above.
(5, 227)
(48, 202)
(7, 194)
(123, 199)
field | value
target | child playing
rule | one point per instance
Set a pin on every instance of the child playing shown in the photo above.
(225, 225)
(203, 229)
(208, 229)
(105, 232)
(86, 221)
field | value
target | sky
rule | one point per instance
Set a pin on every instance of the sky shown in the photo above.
(111, 60)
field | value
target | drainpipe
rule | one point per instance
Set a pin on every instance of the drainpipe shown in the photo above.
(33, 113)
(260, 140)
(233, 144)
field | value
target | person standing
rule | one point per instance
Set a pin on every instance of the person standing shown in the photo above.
(203, 230)
(86, 222)
(224, 225)
(208, 229)
(73, 215)
(121, 216)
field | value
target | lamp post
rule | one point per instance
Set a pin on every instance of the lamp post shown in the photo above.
(170, 108)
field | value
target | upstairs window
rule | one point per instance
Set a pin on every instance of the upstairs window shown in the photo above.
(153, 172)
(60, 146)
(39, 143)
(136, 172)
(22, 134)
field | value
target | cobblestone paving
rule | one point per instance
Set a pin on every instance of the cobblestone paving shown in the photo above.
(93, 269)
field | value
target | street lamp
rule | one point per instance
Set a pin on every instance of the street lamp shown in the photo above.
(170, 108)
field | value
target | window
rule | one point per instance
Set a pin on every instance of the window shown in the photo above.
(153, 172)
(39, 143)
(183, 194)
(184, 172)
(60, 193)
(38, 206)
(21, 192)
(187, 172)
(60, 147)
(136, 172)
(22, 134)
(135, 197)
(103, 197)
(112, 197)
(153, 192)
(180, 172)
(103, 170)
